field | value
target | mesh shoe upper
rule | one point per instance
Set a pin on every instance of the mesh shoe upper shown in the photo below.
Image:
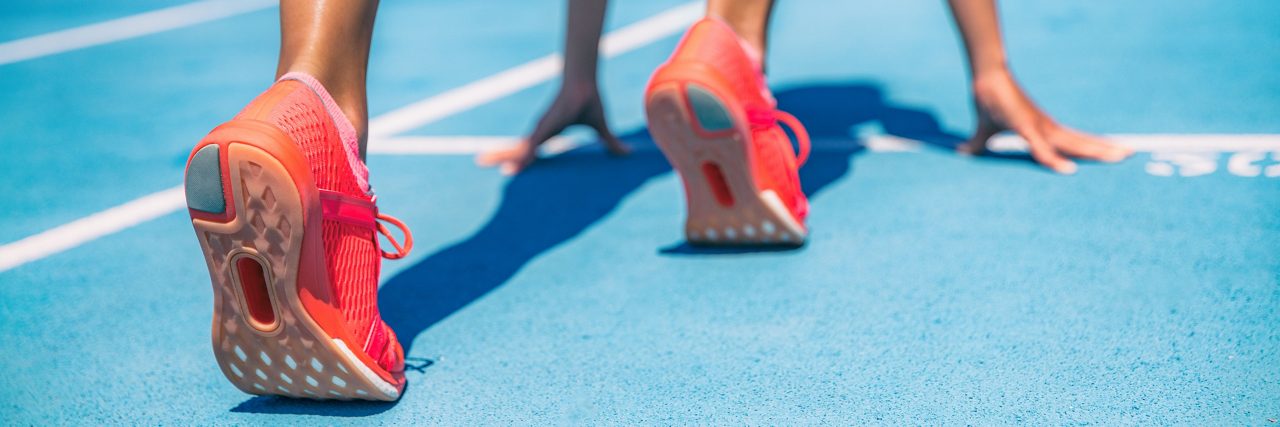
(352, 256)
(714, 43)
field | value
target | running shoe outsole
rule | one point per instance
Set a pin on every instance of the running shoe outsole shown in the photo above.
(264, 338)
(707, 142)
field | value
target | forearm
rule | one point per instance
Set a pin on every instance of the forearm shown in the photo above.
(979, 26)
(582, 40)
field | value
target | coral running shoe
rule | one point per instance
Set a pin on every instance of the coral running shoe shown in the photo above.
(717, 123)
(281, 206)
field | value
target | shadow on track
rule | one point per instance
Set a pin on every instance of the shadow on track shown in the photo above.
(560, 197)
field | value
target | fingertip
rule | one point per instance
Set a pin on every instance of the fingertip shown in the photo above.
(972, 147)
(1125, 152)
(620, 149)
(1117, 155)
(1065, 168)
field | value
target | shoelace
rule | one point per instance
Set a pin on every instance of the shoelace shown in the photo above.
(771, 117)
(401, 251)
(364, 213)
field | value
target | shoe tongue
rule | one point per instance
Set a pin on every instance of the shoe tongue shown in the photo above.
(346, 131)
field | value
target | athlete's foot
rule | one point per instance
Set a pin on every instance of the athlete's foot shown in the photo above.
(575, 105)
(280, 203)
(716, 122)
(1002, 105)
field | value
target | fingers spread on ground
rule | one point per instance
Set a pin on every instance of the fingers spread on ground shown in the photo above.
(487, 158)
(972, 147)
(501, 156)
(611, 143)
(977, 144)
(510, 168)
(540, 136)
(547, 128)
(1112, 151)
(1049, 157)
(615, 146)
(1092, 147)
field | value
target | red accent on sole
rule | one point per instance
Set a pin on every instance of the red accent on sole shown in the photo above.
(719, 187)
(253, 283)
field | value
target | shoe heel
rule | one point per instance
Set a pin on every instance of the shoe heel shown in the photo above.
(708, 143)
(265, 339)
(252, 257)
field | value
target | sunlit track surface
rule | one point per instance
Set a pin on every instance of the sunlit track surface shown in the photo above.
(935, 288)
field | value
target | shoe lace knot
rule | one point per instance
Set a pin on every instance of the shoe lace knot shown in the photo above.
(364, 213)
(769, 118)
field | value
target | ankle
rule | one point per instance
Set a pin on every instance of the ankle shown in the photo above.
(751, 39)
(350, 119)
(346, 87)
(751, 35)
(340, 95)
(358, 115)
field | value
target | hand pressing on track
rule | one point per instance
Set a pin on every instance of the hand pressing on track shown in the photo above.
(578, 102)
(1002, 105)
(580, 106)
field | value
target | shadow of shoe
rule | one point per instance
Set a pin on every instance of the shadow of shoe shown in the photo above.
(558, 198)
(290, 406)
(684, 248)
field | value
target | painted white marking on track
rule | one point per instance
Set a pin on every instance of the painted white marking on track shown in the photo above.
(524, 76)
(383, 128)
(434, 108)
(1167, 142)
(465, 145)
(82, 230)
(1153, 143)
(1159, 168)
(1243, 164)
(1171, 155)
(126, 28)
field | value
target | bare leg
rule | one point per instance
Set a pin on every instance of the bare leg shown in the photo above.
(578, 101)
(748, 18)
(1002, 104)
(329, 39)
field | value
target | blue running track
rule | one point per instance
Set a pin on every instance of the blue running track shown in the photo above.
(936, 289)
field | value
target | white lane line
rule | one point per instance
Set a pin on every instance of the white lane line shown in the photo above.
(1223, 143)
(1152, 143)
(490, 88)
(466, 145)
(526, 75)
(126, 28)
(91, 227)
(651, 29)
